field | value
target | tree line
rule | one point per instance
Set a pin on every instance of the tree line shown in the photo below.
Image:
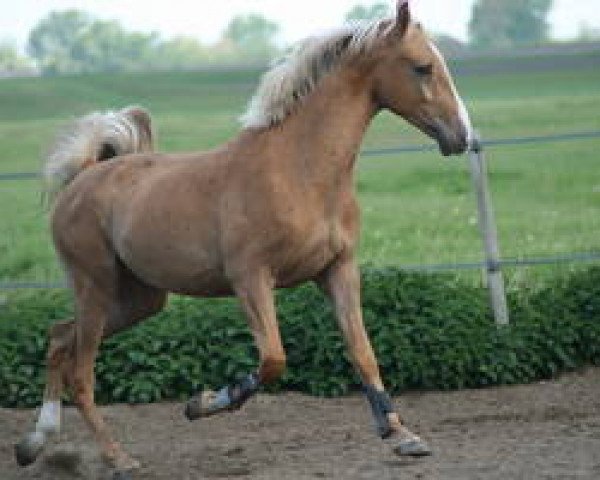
(72, 41)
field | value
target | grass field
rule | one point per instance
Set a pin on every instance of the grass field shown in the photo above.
(417, 208)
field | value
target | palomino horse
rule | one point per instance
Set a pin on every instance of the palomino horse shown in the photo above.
(272, 208)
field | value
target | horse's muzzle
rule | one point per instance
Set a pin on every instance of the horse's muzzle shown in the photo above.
(451, 141)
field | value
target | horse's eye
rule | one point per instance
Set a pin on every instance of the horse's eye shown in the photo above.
(424, 70)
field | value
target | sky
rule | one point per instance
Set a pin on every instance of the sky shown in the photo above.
(206, 20)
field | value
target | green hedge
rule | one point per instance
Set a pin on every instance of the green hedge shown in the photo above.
(429, 331)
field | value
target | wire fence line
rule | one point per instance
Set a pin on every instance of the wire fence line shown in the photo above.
(19, 176)
(423, 268)
(441, 267)
(505, 262)
(427, 147)
(57, 285)
(488, 143)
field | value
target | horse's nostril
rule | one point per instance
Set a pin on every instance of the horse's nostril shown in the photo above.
(460, 144)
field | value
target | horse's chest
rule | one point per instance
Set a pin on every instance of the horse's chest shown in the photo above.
(302, 253)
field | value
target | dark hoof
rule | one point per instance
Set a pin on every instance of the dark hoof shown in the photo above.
(193, 409)
(412, 448)
(26, 451)
(122, 475)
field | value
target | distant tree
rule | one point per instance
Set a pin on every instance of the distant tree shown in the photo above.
(496, 24)
(368, 12)
(252, 37)
(181, 53)
(11, 61)
(588, 33)
(73, 42)
(449, 46)
(51, 42)
(104, 46)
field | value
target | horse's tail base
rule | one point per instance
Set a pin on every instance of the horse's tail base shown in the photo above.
(94, 138)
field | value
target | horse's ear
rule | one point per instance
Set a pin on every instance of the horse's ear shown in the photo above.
(141, 117)
(402, 17)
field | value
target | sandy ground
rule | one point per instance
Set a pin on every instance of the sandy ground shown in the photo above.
(550, 430)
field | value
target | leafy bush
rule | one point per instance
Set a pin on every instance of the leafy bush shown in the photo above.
(429, 331)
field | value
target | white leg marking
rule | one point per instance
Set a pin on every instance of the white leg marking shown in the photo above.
(49, 420)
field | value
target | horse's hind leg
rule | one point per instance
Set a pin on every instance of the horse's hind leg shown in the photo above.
(342, 283)
(94, 313)
(102, 312)
(59, 362)
(72, 350)
(79, 340)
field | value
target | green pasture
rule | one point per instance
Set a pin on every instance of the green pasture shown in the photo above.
(417, 208)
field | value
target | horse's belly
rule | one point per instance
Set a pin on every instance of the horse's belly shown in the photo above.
(187, 267)
(189, 278)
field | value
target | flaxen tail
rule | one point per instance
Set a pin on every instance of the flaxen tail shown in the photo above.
(94, 138)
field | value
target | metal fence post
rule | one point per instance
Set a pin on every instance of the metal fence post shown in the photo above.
(487, 226)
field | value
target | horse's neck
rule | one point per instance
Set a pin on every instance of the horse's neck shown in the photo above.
(323, 136)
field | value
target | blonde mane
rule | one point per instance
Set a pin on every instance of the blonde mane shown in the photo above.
(296, 74)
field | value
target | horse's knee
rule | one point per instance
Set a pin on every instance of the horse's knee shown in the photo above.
(272, 367)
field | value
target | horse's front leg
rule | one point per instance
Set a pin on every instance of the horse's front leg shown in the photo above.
(342, 283)
(256, 297)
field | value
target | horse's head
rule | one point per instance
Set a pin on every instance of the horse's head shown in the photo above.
(412, 79)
